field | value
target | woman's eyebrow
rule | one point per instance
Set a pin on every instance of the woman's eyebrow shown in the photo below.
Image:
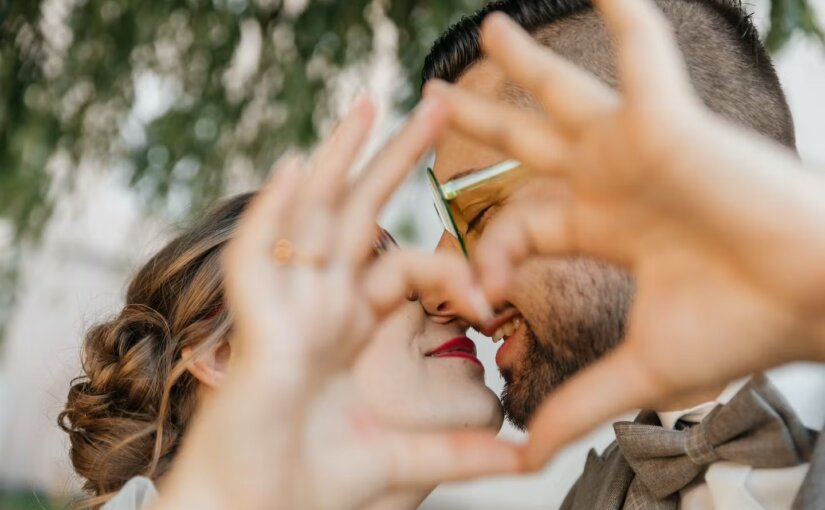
(384, 241)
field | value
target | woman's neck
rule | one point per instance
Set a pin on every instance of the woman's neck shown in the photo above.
(400, 500)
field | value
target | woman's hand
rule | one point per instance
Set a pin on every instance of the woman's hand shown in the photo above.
(723, 230)
(287, 429)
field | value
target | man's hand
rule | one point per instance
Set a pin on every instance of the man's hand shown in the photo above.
(723, 230)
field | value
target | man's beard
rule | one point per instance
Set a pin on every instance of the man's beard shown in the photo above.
(541, 371)
(568, 345)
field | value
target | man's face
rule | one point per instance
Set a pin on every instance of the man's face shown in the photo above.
(561, 314)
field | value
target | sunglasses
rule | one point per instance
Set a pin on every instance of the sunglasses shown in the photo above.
(445, 195)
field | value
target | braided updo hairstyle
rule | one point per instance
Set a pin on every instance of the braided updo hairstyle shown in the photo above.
(126, 414)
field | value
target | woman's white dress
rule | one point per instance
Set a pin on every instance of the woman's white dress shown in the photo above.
(137, 494)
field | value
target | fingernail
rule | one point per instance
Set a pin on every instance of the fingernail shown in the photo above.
(480, 305)
(434, 85)
(424, 107)
(363, 103)
(292, 159)
(281, 162)
(504, 19)
(493, 18)
(293, 165)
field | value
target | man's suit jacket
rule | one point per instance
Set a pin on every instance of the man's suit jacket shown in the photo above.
(606, 478)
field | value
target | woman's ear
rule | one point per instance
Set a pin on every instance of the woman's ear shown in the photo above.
(210, 366)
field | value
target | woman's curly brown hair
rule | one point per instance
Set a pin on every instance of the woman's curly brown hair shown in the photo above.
(126, 414)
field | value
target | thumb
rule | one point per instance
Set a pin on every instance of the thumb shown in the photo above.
(427, 459)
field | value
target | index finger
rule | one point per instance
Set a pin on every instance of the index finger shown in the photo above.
(332, 161)
(570, 94)
(385, 172)
(424, 459)
(651, 67)
(524, 134)
(530, 229)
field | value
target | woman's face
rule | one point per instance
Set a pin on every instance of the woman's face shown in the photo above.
(419, 373)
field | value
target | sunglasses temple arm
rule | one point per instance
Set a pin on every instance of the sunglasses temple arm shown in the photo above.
(452, 189)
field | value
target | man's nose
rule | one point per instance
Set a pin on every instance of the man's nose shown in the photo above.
(435, 303)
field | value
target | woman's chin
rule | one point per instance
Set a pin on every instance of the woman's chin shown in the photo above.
(475, 407)
(495, 417)
(458, 397)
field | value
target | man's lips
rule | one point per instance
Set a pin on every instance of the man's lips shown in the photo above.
(500, 320)
(508, 352)
(509, 321)
(460, 347)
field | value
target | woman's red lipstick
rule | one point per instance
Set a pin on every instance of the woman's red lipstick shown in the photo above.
(460, 347)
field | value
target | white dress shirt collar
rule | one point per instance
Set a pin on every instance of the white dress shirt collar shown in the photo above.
(802, 385)
(698, 412)
(730, 485)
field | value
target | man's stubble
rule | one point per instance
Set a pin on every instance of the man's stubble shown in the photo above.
(575, 310)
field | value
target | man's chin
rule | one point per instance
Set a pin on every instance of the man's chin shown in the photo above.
(533, 375)
(514, 347)
(513, 413)
(521, 380)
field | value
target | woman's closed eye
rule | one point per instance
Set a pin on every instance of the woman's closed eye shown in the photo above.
(384, 242)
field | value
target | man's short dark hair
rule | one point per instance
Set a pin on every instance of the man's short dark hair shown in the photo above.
(728, 65)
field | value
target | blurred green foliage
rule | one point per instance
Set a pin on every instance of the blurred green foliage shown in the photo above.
(71, 72)
(789, 17)
(29, 500)
(69, 69)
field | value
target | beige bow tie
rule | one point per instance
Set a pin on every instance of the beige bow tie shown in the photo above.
(756, 428)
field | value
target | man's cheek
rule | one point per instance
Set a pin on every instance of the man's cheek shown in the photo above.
(534, 287)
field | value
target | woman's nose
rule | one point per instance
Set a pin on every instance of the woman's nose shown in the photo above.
(435, 303)
(438, 307)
